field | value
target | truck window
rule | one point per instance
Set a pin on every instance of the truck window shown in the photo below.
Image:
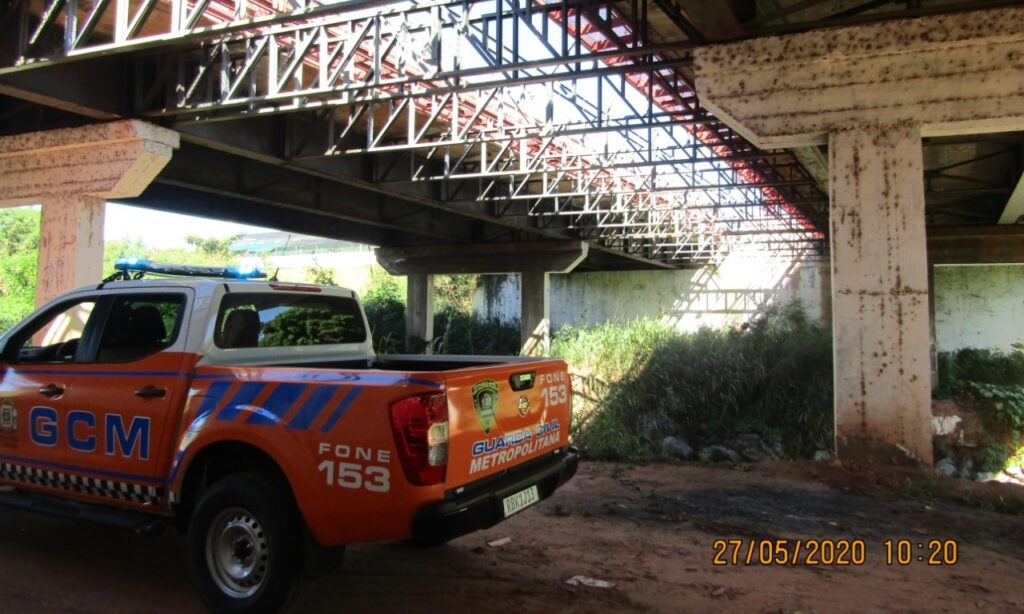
(55, 335)
(140, 325)
(247, 320)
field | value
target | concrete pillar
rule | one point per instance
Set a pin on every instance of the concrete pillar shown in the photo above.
(70, 244)
(825, 276)
(880, 294)
(933, 348)
(535, 316)
(934, 76)
(419, 315)
(71, 172)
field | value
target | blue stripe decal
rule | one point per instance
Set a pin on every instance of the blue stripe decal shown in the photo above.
(334, 377)
(278, 404)
(246, 393)
(177, 465)
(99, 373)
(340, 410)
(213, 397)
(134, 477)
(311, 409)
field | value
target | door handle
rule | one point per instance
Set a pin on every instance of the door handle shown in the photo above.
(51, 390)
(151, 392)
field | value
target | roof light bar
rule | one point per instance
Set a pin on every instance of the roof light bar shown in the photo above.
(142, 265)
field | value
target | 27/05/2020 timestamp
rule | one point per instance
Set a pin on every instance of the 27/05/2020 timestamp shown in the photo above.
(814, 552)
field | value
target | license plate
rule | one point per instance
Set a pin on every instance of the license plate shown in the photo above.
(520, 501)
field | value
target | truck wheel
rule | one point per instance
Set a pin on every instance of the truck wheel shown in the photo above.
(243, 545)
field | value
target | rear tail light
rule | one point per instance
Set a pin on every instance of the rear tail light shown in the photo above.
(420, 425)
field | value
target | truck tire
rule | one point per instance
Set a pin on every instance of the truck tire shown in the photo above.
(243, 545)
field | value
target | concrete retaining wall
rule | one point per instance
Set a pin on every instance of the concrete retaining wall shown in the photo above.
(979, 306)
(728, 294)
(975, 306)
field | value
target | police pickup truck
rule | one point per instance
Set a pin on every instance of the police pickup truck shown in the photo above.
(255, 416)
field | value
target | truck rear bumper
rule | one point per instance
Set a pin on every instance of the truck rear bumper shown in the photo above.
(479, 505)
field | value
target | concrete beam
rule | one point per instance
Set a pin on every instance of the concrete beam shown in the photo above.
(880, 295)
(976, 244)
(954, 74)
(530, 256)
(1014, 210)
(71, 172)
(114, 160)
(419, 315)
(535, 313)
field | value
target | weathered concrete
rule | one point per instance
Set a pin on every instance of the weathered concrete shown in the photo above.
(71, 171)
(419, 315)
(976, 244)
(979, 307)
(729, 294)
(880, 292)
(872, 91)
(535, 320)
(70, 244)
(953, 74)
(458, 259)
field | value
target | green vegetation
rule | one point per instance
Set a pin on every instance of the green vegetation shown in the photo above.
(384, 304)
(321, 275)
(645, 381)
(456, 329)
(119, 248)
(993, 382)
(212, 246)
(457, 332)
(19, 243)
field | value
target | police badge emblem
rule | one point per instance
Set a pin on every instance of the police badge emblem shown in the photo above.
(524, 406)
(485, 402)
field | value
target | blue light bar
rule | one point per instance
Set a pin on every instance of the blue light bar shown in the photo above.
(143, 265)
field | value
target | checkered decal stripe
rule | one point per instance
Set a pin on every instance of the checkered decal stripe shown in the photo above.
(122, 491)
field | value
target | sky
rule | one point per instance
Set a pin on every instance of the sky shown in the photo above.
(165, 230)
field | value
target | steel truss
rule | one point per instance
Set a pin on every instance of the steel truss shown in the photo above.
(467, 95)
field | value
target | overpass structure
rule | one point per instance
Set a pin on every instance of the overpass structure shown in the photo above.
(539, 136)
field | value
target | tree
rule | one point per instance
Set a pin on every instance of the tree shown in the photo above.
(211, 246)
(19, 249)
(321, 275)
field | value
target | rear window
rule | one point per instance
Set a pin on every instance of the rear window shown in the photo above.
(285, 320)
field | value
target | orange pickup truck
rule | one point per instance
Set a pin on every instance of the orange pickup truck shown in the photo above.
(256, 417)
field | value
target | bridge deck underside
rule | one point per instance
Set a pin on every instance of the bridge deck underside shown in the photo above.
(399, 124)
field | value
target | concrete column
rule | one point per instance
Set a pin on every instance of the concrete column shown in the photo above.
(933, 350)
(70, 244)
(72, 171)
(419, 315)
(825, 276)
(880, 294)
(535, 316)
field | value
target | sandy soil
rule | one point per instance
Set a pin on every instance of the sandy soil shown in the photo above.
(649, 530)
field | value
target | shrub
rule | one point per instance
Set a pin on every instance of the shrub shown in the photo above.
(456, 332)
(456, 329)
(385, 310)
(994, 381)
(772, 378)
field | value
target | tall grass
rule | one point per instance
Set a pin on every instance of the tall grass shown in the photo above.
(772, 378)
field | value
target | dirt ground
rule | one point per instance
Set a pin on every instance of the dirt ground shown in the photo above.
(648, 530)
